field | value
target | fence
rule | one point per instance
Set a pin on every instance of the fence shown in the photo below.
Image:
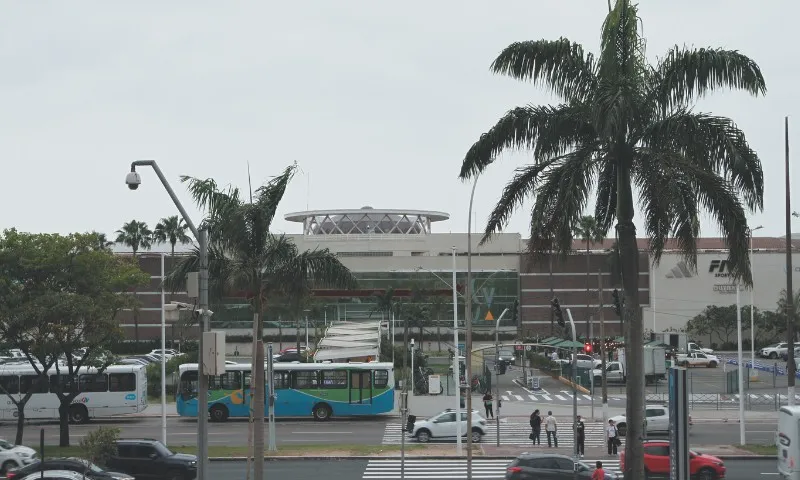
(722, 401)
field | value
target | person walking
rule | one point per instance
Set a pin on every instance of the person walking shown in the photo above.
(487, 404)
(581, 429)
(551, 427)
(536, 427)
(612, 437)
(599, 473)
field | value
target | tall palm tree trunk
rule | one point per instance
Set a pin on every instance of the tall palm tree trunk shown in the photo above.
(634, 340)
(588, 301)
(259, 399)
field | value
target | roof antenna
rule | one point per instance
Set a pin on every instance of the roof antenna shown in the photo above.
(249, 183)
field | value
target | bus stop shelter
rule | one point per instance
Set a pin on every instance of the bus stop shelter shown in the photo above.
(344, 341)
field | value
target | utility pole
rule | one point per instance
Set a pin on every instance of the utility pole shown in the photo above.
(790, 366)
(602, 347)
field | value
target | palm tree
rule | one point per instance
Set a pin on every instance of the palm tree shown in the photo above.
(590, 232)
(247, 257)
(137, 236)
(624, 124)
(385, 304)
(173, 230)
(102, 242)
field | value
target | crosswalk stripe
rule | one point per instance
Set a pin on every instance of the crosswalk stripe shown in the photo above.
(546, 397)
(532, 397)
(518, 397)
(505, 399)
(587, 397)
(482, 468)
(560, 397)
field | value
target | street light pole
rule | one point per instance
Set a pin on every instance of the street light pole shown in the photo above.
(497, 368)
(133, 182)
(456, 366)
(468, 341)
(163, 356)
(790, 365)
(574, 395)
(753, 370)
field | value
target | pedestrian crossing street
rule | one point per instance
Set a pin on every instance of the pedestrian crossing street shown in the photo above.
(482, 468)
(514, 434)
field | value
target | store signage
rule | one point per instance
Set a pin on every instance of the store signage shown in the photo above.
(725, 289)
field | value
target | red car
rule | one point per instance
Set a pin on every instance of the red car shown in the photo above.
(656, 461)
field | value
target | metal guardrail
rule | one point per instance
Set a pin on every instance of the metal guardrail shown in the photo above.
(773, 368)
(721, 401)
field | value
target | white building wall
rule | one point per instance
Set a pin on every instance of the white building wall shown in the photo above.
(679, 294)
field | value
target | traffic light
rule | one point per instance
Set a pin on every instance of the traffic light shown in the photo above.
(587, 347)
(617, 302)
(557, 313)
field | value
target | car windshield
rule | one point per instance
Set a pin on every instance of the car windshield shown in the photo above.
(163, 450)
(5, 444)
(94, 468)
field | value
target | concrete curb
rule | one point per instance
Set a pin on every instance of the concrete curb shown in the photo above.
(577, 387)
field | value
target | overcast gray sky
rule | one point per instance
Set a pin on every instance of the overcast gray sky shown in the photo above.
(377, 101)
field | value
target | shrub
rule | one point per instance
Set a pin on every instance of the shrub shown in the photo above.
(100, 445)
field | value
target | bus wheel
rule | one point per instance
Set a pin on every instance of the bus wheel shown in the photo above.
(78, 414)
(219, 413)
(322, 412)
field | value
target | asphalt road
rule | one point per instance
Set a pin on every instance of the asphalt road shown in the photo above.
(356, 470)
(184, 431)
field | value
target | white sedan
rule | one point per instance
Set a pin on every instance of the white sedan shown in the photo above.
(15, 456)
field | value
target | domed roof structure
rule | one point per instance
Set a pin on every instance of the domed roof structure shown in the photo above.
(367, 221)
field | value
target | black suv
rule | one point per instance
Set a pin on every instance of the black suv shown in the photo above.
(150, 459)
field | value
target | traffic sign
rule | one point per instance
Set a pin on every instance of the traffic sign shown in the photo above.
(529, 348)
(518, 348)
(489, 316)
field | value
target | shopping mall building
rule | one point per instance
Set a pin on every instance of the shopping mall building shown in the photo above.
(401, 249)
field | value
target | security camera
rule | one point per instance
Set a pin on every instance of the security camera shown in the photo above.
(133, 180)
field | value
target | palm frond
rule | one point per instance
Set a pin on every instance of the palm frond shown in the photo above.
(560, 65)
(547, 131)
(209, 196)
(270, 195)
(605, 208)
(521, 186)
(622, 55)
(715, 144)
(683, 75)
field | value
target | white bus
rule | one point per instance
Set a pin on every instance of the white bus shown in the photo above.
(120, 389)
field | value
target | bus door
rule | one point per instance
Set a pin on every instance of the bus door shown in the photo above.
(360, 387)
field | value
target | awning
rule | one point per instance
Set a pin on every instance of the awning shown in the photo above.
(346, 340)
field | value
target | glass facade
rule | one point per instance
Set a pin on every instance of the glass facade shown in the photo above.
(492, 293)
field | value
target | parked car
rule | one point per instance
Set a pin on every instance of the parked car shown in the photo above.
(693, 347)
(290, 357)
(15, 456)
(585, 361)
(144, 458)
(549, 466)
(79, 465)
(656, 416)
(785, 355)
(169, 353)
(773, 351)
(697, 359)
(656, 461)
(54, 475)
(443, 425)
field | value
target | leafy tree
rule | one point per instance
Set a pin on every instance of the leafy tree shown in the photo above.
(721, 321)
(136, 235)
(245, 256)
(588, 230)
(100, 445)
(782, 308)
(626, 125)
(386, 303)
(700, 325)
(62, 294)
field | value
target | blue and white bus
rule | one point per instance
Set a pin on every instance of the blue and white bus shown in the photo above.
(322, 390)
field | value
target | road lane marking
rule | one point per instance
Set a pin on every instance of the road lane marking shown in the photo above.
(505, 398)
(546, 397)
(320, 432)
(560, 397)
(518, 397)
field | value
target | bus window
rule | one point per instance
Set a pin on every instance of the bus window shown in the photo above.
(30, 383)
(189, 385)
(122, 382)
(381, 379)
(62, 383)
(281, 379)
(93, 383)
(334, 378)
(226, 381)
(9, 384)
(305, 379)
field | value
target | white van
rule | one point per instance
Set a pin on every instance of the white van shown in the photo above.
(787, 440)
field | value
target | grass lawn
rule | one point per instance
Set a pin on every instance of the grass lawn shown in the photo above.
(241, 451)
(770, 450)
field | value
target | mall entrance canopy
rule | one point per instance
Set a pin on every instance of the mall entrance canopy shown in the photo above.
(350, 340)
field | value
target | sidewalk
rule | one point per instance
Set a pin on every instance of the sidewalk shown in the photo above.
(602, 453)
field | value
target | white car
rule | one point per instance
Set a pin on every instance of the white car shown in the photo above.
(774, 351)
(15, 456)
(693, 347)
(656, 416)
(444, 425)
(585, 361)
(168, 353)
